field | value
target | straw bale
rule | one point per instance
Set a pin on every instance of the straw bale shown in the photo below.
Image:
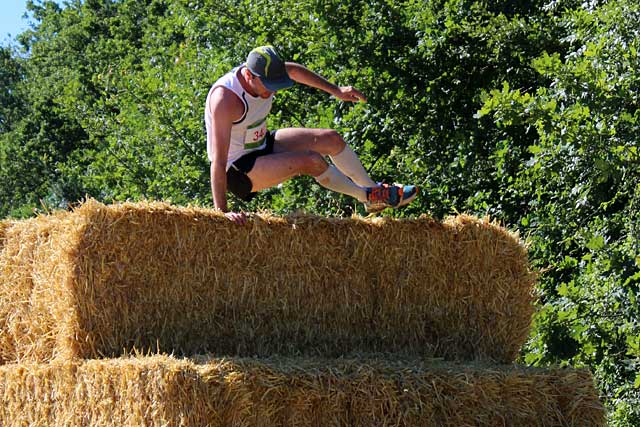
(165, 391)
(103, 279)
(37, 309)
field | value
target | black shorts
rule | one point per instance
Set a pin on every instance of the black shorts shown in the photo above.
(238, 182)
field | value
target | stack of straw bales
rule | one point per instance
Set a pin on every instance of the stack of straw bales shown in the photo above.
(312, 300)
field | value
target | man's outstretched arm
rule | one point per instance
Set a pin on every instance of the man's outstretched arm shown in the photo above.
(301, 74)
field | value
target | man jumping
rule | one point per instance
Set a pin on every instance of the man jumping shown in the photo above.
(246, 157)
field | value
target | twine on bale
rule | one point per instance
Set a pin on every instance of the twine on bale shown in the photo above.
(103, 279)
(162, 390)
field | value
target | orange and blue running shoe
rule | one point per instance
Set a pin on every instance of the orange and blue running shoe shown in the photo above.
(389, 196)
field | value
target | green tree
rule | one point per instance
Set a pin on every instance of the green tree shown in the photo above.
(581, 183)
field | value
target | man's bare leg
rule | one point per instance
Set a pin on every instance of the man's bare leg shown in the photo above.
(301, 151)
(273, 169)
(328, 143)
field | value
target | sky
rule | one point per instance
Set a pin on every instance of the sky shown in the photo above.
(11, 20)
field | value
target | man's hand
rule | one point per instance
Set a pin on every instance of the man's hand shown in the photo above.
(350, 94)
(239, 218)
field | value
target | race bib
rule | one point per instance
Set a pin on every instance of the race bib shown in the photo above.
(255, 135)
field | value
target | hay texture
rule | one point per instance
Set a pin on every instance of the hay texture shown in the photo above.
(103, 279)
(38, 310)
(4, 226)
(163, 391)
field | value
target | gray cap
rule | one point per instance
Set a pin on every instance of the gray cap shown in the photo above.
(265, 63)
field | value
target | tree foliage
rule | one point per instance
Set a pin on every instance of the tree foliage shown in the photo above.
(524, 111)
(584, 194)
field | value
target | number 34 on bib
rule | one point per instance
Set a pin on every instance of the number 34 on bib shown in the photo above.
(255, 135)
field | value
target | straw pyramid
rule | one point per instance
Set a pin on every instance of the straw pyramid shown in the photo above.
(300, 321)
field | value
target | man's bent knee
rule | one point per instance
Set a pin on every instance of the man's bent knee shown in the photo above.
(313, 163)
(334, 142)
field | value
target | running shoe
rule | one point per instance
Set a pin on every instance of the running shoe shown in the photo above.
(389, 196)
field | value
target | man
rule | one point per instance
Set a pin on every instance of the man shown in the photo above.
(246, 157)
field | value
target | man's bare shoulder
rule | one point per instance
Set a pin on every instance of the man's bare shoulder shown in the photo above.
(225, 104)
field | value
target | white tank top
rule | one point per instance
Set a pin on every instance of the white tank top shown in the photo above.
(249, 132)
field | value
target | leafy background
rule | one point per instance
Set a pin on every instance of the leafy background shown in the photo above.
(524, 111)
